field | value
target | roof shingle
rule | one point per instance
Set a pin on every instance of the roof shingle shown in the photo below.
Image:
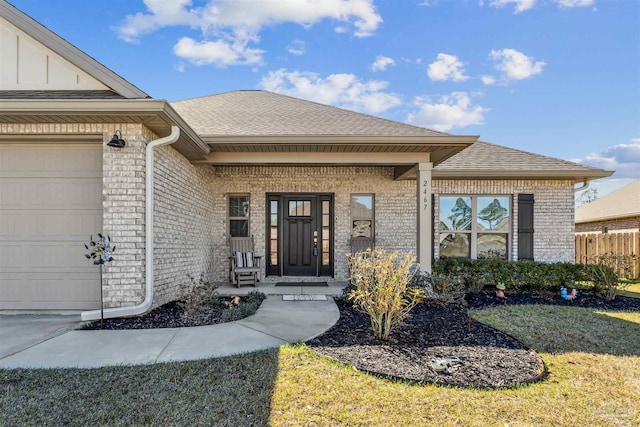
(624, 202)
(263, 113)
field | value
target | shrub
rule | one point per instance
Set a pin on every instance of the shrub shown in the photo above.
(381, 291)
(248, 306)
(516, 275)
(606, 270)
(196, 294)
(446, 289)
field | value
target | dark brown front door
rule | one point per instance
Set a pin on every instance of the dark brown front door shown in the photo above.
(300, 230)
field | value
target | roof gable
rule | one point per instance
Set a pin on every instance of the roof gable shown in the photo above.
(622, 203)
(33, 58)
(264, 113)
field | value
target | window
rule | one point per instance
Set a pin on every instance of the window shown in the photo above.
(474, 226)
(238, 215)
(362, 219)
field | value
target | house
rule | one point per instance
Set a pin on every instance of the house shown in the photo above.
(616, 212)
(303, 179)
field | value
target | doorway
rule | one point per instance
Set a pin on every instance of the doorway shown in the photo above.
(300, 234)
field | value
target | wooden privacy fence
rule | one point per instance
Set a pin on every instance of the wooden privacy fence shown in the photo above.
(589, 246)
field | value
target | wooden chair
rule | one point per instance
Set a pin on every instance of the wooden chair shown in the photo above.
(244, 264)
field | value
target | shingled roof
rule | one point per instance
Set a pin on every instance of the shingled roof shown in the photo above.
(263, 113)
(622, 203)
(483, 159)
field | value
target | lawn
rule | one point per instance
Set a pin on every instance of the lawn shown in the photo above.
(632, 289)
(593, 358)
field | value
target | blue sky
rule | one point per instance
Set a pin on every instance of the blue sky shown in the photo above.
(555, 77)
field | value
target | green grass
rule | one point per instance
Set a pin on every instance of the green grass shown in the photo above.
(593, 358)
(632, 288)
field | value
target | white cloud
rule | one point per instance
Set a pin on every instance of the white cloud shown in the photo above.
(524, 5)
(574, 3)
(515, 65)
(520, 5)
(446, 67)
(488, 80)
(623, 158)
(451, 111)
(227, 27)
(219, 52)
(342, 90)
(297, 47)
(381, 63)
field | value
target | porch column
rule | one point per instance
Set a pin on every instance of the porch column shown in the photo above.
(425, 238)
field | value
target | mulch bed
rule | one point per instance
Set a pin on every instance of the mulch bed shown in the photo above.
(584, 299)
(488, 358)
(170, 315)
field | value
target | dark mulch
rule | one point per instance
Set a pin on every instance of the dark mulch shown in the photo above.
(170, 315)
(488, 358)
(584, 299)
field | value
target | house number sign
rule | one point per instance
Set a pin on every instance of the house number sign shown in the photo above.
(425, 194)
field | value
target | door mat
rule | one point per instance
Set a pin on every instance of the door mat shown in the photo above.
(302, 284)
(304, 297)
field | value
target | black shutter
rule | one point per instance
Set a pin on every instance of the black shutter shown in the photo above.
(525, 226)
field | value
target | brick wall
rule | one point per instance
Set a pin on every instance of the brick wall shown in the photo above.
(553, 212)
(184, 223)
(615, 225)
(123, 202)
(395, 205)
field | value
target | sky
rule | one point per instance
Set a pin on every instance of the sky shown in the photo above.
(554, 77)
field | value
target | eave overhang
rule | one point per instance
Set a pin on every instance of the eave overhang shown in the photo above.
(398, 151)
(568, 174)
(155, 114)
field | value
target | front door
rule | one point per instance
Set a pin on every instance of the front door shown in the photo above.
(301, 242)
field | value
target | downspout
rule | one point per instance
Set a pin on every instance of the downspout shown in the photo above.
(145, 305)
(584, 186)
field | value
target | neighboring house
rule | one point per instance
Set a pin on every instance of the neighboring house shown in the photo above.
(616, 212)
(244, 163)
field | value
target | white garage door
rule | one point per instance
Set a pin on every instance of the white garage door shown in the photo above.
(50, 203)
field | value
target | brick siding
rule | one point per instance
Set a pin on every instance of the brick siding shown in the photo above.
(553, 239)
(615, 225)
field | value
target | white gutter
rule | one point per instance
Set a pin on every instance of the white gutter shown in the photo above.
(145, 305)
(584, 186)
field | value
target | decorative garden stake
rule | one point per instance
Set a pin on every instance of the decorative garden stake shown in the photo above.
(100, 253)
(500, 288)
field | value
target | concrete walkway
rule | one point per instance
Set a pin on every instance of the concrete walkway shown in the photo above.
(48, 342)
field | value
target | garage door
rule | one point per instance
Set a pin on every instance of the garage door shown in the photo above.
(50, 202)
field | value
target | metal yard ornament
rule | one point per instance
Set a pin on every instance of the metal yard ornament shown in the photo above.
(100, 253)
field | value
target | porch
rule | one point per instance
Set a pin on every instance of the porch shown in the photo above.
(333, 288)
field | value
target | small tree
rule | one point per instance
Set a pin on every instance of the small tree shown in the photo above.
(380, 282)
(100, 253)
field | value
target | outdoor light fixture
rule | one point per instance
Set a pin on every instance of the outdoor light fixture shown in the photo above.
(117, 140)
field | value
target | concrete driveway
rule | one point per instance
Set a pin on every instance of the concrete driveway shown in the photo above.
(21, 331)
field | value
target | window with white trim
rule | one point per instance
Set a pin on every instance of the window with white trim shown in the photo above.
(239, 215)
(475, 227)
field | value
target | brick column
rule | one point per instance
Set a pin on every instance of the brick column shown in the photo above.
(425, 239)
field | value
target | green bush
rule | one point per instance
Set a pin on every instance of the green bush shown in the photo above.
(381, 290)
(247, 307)
(516, 275)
